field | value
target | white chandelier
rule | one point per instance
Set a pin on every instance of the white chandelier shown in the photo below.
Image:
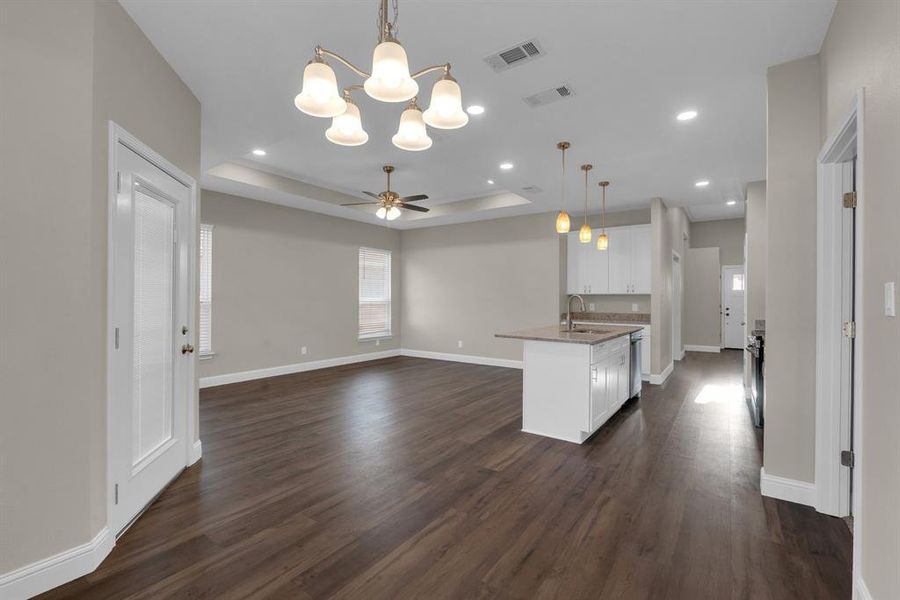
(389, 81)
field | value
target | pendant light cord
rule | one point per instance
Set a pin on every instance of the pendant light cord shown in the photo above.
(603, 211)
(562, 184)
(585, 195)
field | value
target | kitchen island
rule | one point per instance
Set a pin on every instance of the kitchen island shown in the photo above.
(573, 381)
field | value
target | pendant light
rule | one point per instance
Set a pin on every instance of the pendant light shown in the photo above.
(390, 80)
(445, 110)
(412, 134)
(319, 96)
(584, 234)
(563, 223)
(602, 239)
(346, 129)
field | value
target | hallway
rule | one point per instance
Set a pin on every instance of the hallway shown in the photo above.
(409, 478)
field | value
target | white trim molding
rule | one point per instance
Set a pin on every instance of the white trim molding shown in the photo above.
(312, 365)
(46, 574)
(465, 358)
(660, 378)
(196, 452)
(698, 348)
(782, 488)
(860, 591)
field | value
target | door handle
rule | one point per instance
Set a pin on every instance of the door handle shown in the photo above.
(187, 348)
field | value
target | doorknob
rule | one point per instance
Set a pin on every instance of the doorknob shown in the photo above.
(187, 348)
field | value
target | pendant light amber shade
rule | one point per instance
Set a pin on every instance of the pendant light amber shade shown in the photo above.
(563, 224)
(584, 234)
(602, 242)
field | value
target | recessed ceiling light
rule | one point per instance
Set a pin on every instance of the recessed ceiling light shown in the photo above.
(491, 181)
(506, 166)
(259, 152)
(687, 115)
(475, 109)
(702, 183)
(731, 202)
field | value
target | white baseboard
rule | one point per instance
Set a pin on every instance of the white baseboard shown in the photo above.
(294, 368)
(466, 358)
(659, 379)
(860, 591)
(783, 488)
(46, 574)
(196, 452)
(696, 348)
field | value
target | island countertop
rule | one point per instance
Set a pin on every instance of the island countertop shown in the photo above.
(580, 335)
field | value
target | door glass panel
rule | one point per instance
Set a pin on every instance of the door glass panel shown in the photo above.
(154, 222)
(737, 282)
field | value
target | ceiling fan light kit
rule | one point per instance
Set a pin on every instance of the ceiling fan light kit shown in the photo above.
(389, 202)
(389, 81)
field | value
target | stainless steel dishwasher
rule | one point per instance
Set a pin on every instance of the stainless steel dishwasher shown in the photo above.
(634, 390)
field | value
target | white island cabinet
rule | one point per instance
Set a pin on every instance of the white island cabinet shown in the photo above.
(573, 382)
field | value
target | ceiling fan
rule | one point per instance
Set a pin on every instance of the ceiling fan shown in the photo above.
(390, 202)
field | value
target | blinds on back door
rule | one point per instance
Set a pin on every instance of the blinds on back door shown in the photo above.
(374, 292)
(205, 340)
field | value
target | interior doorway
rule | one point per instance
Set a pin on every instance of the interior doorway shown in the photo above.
(733, 317)
(151, 315)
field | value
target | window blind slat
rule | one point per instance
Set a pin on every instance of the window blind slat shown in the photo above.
(205, 327)
(374, 292)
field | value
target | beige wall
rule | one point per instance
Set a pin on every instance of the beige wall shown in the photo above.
(469, 281)
(862, 50)
(757, 240)
(284, 278)
(702, 293)
(669, 229)
(793, 142)
(725, 234)
(66, 60)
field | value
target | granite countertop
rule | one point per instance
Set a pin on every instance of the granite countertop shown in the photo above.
(608, 317)
(579, 335)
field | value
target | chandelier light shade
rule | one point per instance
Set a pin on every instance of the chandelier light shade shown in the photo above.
(390, 80)
(319, 96)
(563, 223)
(602, 239)
(346, 129)
(445, 110)
(412, 134)
(584, 234)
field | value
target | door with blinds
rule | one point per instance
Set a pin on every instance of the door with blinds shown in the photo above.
(151, 343)
(374, 293)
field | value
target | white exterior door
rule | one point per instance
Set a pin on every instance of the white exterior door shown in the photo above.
(150, 354)
(733, 320)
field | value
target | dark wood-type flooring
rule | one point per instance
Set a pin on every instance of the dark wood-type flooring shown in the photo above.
(410, 478)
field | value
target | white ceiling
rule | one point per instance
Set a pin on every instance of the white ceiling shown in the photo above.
(632, 65)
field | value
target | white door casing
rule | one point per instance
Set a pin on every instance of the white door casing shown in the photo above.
(733, 284)
(677, 301)
(151, 320)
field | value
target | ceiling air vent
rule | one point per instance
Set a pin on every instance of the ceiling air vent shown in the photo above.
(548, 96)
(515, 56)
(533, 189)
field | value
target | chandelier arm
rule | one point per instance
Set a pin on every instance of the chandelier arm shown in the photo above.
(352, 88)
(320, 51)
(444, 67)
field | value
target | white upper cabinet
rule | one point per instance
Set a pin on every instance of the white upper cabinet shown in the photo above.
(622, 269)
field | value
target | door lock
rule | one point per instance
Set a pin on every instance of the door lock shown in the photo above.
(187, 348)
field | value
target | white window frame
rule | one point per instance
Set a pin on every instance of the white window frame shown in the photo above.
(205, 353)
(388, 332)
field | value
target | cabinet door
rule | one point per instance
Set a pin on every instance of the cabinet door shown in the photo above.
(597, 267)
(640, 260)
(619, 254)
(645, 352)
(574, 265)
(624, 376)
(599, 394)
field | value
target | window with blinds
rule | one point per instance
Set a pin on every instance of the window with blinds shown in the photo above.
(374, 293)
(205, 341)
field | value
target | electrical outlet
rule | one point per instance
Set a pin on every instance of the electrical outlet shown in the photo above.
(459, 344)
(634, 308)
(377, 342)
(591, 306)
(889, 308)
(303, 350)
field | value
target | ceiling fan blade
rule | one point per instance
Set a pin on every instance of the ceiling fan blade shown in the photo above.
(371, 194)
(360, 204)
(414, 207)
(415, 198)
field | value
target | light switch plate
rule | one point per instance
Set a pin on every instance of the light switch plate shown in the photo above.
(889, 305)
(303, 350)
(634, 308)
